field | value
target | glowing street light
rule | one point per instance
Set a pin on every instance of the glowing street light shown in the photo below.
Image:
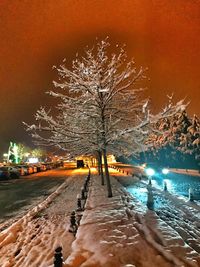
(150, 172)
(165, 171)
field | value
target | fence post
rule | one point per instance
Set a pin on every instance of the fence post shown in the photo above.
(150, 200)
(73, 225)
(58, 260)
(83, 193)
(79, 206)
(191, 194)
(165, 186)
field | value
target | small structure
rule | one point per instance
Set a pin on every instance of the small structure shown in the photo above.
(191, 194)
(79, 205)
(83, 196)
(73, 225)
(80, 163)
(165, 186)
(150, 200)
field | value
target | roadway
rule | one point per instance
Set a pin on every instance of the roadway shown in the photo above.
(19, 195)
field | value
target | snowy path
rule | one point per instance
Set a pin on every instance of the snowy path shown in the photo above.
(177, 222)
(120, 231)
(31, 241)
(183, 217)
(107, 236)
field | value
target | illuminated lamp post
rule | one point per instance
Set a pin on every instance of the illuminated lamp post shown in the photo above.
(150, 172)
(165, 172)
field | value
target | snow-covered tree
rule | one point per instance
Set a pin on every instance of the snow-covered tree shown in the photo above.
(178, 139)
(100, 107)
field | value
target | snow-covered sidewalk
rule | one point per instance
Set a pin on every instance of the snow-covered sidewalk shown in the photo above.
(114, 232)
(31, 241)
(120, 231)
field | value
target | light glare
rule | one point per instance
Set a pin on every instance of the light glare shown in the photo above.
(150, 171)
(165, 171)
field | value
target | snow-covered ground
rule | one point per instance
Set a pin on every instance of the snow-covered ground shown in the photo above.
(114, 232)
(30, 241)
(120, 231)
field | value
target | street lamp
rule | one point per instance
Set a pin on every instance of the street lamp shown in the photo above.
(165, 171)
(150, 172)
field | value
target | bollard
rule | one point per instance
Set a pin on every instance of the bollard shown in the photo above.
(79, 206)
(83, 193)
(73, 225)
(85, 186)
(165, 186)
(78, 218)
(191, 194)
(58, 260)
(150, 200)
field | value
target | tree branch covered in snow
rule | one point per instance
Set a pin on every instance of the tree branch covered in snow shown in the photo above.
(100, 105)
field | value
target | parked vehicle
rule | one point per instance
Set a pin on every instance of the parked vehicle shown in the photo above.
(34, 168)
(80, 163)
(30, 169)
(4, 173)
(21, 170)
(48, 166)
(9, 172)
(26, 168)
(14, 172)
(40, 167)
(43, 167)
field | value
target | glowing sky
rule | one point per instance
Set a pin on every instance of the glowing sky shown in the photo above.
(162, 35)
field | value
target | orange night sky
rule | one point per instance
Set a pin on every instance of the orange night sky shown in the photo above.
(162, 35)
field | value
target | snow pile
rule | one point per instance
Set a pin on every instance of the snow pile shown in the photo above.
(120, 232)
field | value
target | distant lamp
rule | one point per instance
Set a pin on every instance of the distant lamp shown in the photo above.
(33, 160)
(150, 171)
(165, 171)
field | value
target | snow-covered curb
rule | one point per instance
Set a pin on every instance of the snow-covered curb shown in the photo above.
(186, 171)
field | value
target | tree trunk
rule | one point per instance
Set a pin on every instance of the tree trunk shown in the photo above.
(100, 167)
(98, 162)
(107, 173)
